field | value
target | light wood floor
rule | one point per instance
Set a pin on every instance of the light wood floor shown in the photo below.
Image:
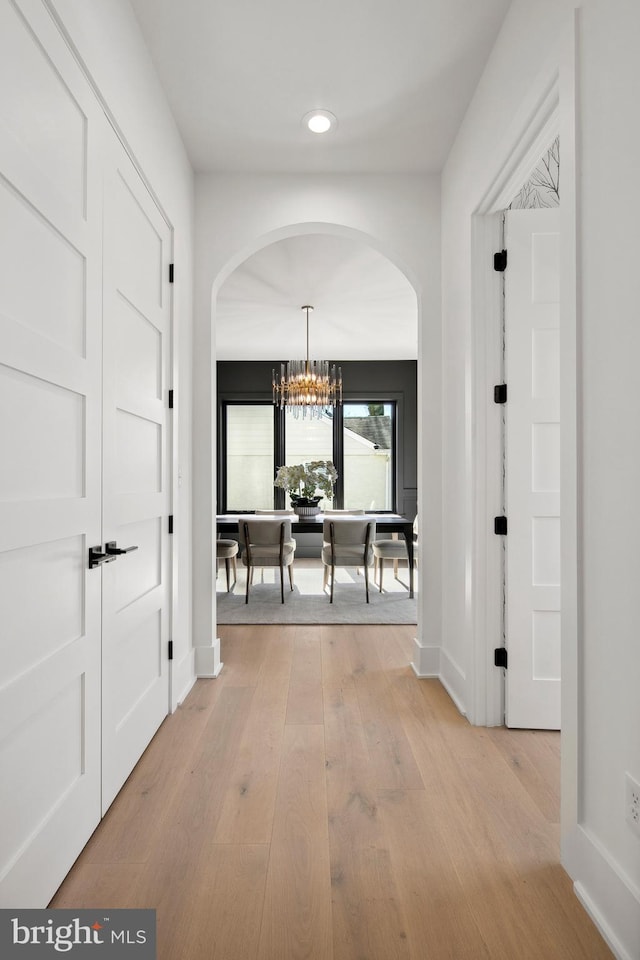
(318, 801)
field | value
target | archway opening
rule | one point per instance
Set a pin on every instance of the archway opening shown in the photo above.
(366, 313)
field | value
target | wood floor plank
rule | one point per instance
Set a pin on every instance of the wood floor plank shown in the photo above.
(476, 786)
(296, 921)
(233, 874)
(471, 860)
(111, 885)
(439, 922)
(534, 757)
(360, 862)
(368, 915)
(304, 702)
(504, 807)
(190, 819)
(394, 644)
(249, 799)
(302, 802)
(244, 653)
(348, 764)
(391, 757)
(335, 655)
(418, 705)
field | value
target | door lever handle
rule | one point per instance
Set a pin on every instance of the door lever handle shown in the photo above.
(96, 557)
(113, 550)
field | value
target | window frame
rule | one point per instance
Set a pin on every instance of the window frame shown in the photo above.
(279, 444)
(394, 400)
(222, 463)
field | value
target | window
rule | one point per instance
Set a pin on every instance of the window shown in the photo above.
(368, 461)
(249, 460)
(306, 440)
(360, 439)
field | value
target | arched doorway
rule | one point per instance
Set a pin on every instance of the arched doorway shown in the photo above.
(274, 248)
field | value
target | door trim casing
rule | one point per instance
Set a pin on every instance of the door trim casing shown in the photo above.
(486, 699)
(552, 111)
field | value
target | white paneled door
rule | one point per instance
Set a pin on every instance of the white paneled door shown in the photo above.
(50, 479)
(85, 319)
(136, 338)
(532, 451)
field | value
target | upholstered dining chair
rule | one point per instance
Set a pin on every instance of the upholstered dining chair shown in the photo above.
(268, 543)
(347, 543)
(389, 549)
(394, 549)
(276, 513)
(227, 550)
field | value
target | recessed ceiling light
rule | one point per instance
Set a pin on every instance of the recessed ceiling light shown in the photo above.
(319, 121)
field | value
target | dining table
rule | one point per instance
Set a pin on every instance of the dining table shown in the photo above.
(228, 524)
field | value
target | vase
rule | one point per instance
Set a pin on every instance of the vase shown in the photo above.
(306, 506)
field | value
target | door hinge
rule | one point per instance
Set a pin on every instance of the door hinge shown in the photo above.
(170, 399)
(171, 523)
(500, 526)
(500, 657)
(500, 261)
(171, 273)
(500, 393)
(170, 649)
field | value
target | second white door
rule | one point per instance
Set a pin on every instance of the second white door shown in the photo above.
(532, 450)
(136, 343)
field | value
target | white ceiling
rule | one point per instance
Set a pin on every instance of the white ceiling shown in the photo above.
(240, 74)
(398, 74)
(364, 307)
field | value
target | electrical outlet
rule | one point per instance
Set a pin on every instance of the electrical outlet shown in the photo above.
(632, 806)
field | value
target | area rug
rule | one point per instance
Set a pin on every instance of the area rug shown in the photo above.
(308, 604)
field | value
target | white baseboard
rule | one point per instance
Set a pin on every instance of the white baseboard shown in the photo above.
(426, 660)
(207, 660)
(608, 896)
(183, 677)
(453, 680)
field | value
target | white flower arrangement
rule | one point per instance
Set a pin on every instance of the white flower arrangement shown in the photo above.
(304, 480)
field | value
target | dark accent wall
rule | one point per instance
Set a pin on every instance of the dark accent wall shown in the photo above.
(373, 380)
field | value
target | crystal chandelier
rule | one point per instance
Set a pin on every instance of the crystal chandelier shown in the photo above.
(307, 387)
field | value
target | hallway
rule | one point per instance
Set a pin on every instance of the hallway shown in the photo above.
(319, 801)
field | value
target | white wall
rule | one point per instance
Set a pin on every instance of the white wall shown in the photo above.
(237, 215)
(107, 38)
(601, 738)
(609, 291)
